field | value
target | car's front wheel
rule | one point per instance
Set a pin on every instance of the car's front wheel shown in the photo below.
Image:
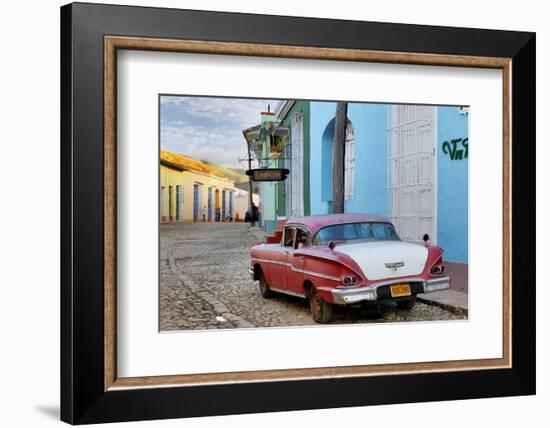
(406, 304)
(266, 292)
(321, 310)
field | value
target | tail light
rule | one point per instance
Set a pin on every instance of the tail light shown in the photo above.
(438, 267)
(350, 280)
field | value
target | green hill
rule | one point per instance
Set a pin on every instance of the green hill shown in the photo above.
(238, 175)
(235, 174)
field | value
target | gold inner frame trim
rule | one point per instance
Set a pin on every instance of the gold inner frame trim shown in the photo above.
(113, 43)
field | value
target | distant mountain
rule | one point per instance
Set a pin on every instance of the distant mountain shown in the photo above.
(244, 186)
(238, 175)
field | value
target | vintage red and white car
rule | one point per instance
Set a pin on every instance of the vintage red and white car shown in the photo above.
(346, 259)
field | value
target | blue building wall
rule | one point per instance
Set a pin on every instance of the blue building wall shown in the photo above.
(452, 185)
(370, 123)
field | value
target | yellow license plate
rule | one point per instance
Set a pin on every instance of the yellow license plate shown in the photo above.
(399, 290)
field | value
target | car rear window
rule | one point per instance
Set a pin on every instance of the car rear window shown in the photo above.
(348, 232)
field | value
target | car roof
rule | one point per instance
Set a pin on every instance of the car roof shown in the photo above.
(316, 222)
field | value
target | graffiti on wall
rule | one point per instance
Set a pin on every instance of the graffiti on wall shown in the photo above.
(454, 150)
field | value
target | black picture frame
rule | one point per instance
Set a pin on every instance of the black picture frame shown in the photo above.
(83, 398)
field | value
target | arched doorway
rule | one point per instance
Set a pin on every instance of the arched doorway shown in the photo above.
(326, 162)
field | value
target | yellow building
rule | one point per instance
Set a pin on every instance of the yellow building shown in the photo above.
(190, 190)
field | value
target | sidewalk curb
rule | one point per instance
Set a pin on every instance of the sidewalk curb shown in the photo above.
(446, 306)
(257, 232)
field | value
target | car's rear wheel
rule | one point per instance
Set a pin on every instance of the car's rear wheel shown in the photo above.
(406, 304)
(266, 292)
(321, 310)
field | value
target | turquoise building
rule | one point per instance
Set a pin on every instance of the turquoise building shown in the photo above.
(405, 162)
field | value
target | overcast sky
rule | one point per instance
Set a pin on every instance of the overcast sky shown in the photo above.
(209, 128)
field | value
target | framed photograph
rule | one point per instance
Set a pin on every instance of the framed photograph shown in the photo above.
(268, 213)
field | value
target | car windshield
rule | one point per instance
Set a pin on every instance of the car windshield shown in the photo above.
(351, 232)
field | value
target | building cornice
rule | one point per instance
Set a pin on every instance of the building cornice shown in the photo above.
(283, 109)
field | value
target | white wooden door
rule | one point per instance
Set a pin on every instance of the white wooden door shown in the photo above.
(412, 171)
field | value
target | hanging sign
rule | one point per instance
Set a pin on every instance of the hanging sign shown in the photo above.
(268, 174)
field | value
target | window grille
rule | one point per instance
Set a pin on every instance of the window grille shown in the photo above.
(349, 162)
(297, 163)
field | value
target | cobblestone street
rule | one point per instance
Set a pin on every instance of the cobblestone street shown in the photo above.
(204, 284)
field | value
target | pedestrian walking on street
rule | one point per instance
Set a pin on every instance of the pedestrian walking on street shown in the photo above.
(218, 214)
(204, 214)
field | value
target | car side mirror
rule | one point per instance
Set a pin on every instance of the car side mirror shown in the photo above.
(426, 238)
(331, 245)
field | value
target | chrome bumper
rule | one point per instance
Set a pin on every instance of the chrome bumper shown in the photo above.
(349, 295)
(251, 273)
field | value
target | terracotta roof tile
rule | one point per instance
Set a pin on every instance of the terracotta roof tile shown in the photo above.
(188, 163)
